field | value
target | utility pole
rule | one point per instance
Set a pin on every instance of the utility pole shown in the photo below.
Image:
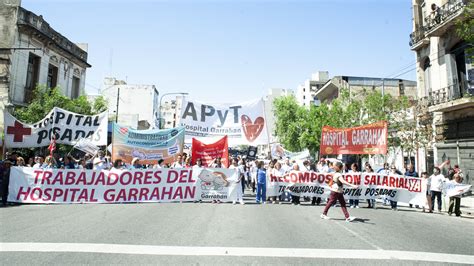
(117, 108)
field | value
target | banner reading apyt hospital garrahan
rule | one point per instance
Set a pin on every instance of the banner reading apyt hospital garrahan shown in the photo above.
(66, 127)
(366, 139)
(244, 123)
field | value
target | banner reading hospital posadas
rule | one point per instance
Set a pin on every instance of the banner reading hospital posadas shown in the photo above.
(147, 145)
(208, 152)
(370, 186)
(29, 185)
(367, 139)
(243, 123)
(67, 128)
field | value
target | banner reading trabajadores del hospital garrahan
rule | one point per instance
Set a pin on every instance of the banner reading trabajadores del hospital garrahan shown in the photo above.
(66, 127)
(243, 123)
(29, 185)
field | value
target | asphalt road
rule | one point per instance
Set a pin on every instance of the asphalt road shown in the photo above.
(206, 233)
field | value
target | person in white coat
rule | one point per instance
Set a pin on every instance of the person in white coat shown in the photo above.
(235, 165)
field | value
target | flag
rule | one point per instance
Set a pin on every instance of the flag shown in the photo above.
(86, 146)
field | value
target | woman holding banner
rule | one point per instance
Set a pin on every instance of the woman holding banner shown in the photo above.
(336, 184)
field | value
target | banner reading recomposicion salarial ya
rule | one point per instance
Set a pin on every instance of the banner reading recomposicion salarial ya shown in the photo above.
(28, 185)
(243, 123)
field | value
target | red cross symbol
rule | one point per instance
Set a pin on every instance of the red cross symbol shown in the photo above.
(18, 131)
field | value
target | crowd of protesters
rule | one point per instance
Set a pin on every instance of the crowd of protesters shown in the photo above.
(253, 175)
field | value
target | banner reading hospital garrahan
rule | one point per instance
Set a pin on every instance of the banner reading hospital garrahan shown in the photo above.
(67, 128)
(29, 185)
(147, 145)
(244, 123)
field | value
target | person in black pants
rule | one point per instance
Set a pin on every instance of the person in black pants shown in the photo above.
(5, 181)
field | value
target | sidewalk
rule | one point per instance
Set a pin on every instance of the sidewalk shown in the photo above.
(467, 205)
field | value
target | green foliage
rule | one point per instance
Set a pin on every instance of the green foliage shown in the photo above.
(300, 128)
(45, 99)
(465, 28)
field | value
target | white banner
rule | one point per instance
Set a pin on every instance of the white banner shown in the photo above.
(371, 186)
(68, 128)
(243, 123)
(29, 185)
(86, 146)
(452, 189)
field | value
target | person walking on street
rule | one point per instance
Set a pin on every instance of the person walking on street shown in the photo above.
(336, 184)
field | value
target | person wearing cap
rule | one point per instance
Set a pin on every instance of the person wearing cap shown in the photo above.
(135, 164)
(6, 180)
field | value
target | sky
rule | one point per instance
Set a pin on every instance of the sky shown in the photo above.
(229, 51)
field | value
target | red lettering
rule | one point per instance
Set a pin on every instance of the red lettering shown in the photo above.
(178, 194)
(81, 180)
(164, 192)
(144, 193)
(37, 175)
(182, 176)
(46, 177)
(172, 179)
(132, 194)
(109, 195)
(83, 195)
(157, 176)
(392, 182)
(36, 194)
(112, 179)
(147, 177)
(100, 179)
(121, 196)
(47, 194)
(137, 178)
(70, 176)
(92, 198)
(189, 192)
(57, 193)
(123, 175)
(23, 194)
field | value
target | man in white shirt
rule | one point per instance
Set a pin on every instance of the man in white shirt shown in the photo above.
(99, 162)
(286, 167)
(436, 186)
(178, 163)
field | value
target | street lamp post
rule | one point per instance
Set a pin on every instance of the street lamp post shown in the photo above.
(159, 107)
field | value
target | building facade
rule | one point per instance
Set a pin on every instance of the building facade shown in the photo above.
(305, 93)
(137, 104)
(445, 75)
(357, 85)
(32, 53)
(170, 112)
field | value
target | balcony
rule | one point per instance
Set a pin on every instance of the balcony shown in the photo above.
(418, 39)
(440, 20)
(30, 21)
(450, 98)
(437, 23)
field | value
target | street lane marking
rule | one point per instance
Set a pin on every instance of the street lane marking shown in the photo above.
(360, 237)
(237, 251)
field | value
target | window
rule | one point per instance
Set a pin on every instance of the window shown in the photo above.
(52, 76)
(427, 76)
(32, 75)
(75, 87)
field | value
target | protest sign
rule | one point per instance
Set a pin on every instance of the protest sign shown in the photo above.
(452, 189)
(208, 152)
(147, 145)
(29, 185)
(371, 186)
(66, 128)
(367, 139)
(243, 123)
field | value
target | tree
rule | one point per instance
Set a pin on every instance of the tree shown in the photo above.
(465, 28)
